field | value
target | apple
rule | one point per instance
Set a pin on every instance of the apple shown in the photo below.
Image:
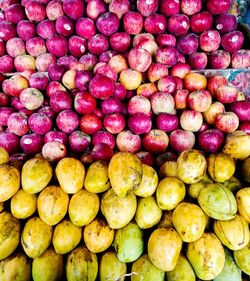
(178, 24)
(146, 157)
(39, 80)
(210, 40)
(90, 123)
(201, 22)
(195, 81)
(219, 59)
(15, 47)
(166, 55)
(156, 71)
(155, 141)
(180, 98)
(54, 10)
(147, 90)
(14, 85)
(18, 124)
(181, 140)
(191, 120)
(114, 123)
(120, 41)
(130, 79)
(35, 11)
(45, 29)
(162, 102)
(226, 94)
(214, 109)
(155, 23)
(169, 7)
(198, 60)
(167, 84)
(227, 122)
(95, 8)
(180, 70)
(126, 141)
(166, 40)
(43, 61)
(6, 64)
(199, 100)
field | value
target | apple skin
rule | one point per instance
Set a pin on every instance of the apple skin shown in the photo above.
(180, 98)
(14, 85)
(126, 141)
(191, 120)
(226, 94)
(90, 123)
(214, 109)
(215, 82)
(157, 71)
(155, 141)
(199, 100)
(24, 62)
(227, 122)
(181, 140)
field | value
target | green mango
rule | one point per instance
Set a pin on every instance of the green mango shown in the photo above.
(111, 268)
(242, 258)
(16, 267)
(233, 184)
(183, 271)
(218, 202)
(146, 271)
(81, 264)
(48, 267)
(128, 242)
(230, 270)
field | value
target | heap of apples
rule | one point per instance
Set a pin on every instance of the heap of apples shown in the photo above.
(92, 77)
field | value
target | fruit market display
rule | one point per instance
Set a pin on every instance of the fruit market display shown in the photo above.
(118, 159)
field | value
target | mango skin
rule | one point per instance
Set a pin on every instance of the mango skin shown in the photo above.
(169, 169)
(98, 236)
(238, 147)
(206, 256)
(246, 169)
(4, 156)
(128, 242)
(183, 271)
(148, 183)
(191, 166)
(10, 181)
(233, 184)
(243, 203)
(189, 221)
(10, 232)
(16, 267)
(48, 267)
(221, 167)
(66, 237)
(218, 202)
(81, 264)
(170, 192)
(36, 175)
(111, 268)
(52, 204)
(83, 207)
(234, 234)
(195, 188)
(36, 237)
(23, 204)
(147, 270)
(70, 173)
(148, 213)
(164, 247)
(113, 206)
(242, 258)
(230, 270)
(166, 220)
(125, 173)
(96, 179)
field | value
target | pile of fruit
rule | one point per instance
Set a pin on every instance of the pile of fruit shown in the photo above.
(118, 159)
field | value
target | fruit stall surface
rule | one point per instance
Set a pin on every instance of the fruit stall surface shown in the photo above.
(124, 140)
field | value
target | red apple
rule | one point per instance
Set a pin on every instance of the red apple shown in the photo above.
(119, 7)
(14, 13)
(15, 47)
(57, 45)
(64, 26)
(85, 27)
(178, 24)
(214, 109)
(114, 123)
(232, 41)
(180, 98)
(225, 23)
(8, 30)
(217, 7)
(133, 22)
(67, 121)
(146, 8)
(195, 81)
(156, 71)
(241, 59)
(45, 29)
(78, 141)
(169, 7)
(139, 103)
(191, 7)
(90, 123)
(166, 55)
(147, 90)
(210, 40)
(167, 122)
(198, 60)
(181, 140)
(139, 123)
(191, 120)
(120, 41)
(98, 44)
(18, 124)
(26, 29)
(43, 61)
(166, 40)
(199, 100)
(227, 122)
(6, 64)
(162, 102)
(180, 70)
(219, 59)
(215, 82)
(74, 8)
(35, 11)
(104, 137)
(226, 94)
(201, 22)
(95, 8)
(139, 59)
(107, 24)
(155, 24)
(156, 141)
(167, 84)
(188, 44)
(54, 10)
(101, 87)
(126, 141)
(14, 85)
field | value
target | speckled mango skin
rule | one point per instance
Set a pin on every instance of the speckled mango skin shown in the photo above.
(164, 247)
(98, 236)
(147, 270)
(66, 237)
(113, 208)
(182, 271)
(243, 203)
(36, 175)
(10, 231)
(234, 234)
(206, 256)
(96, 179)
(221, 167)
(16, 267)
(218, 202)
(4, 156)
(195, 188)
(238, 147)
(148, 183)
(10, 181)
(36, 237)
(111, 268)
(70, 173)
(48, 267)
(242, 258)
(81, 264)
(125, 173)
(189, 220)
(246, 169)
(191, 166)
(52, 204)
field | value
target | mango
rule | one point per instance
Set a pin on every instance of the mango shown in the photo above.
(242, 258)
(195, 188)
(238, 147)
(246, 169)
(4, 156)
(166, 220)
(243, 203)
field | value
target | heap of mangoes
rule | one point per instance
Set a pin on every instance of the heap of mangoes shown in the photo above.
(188, 219)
